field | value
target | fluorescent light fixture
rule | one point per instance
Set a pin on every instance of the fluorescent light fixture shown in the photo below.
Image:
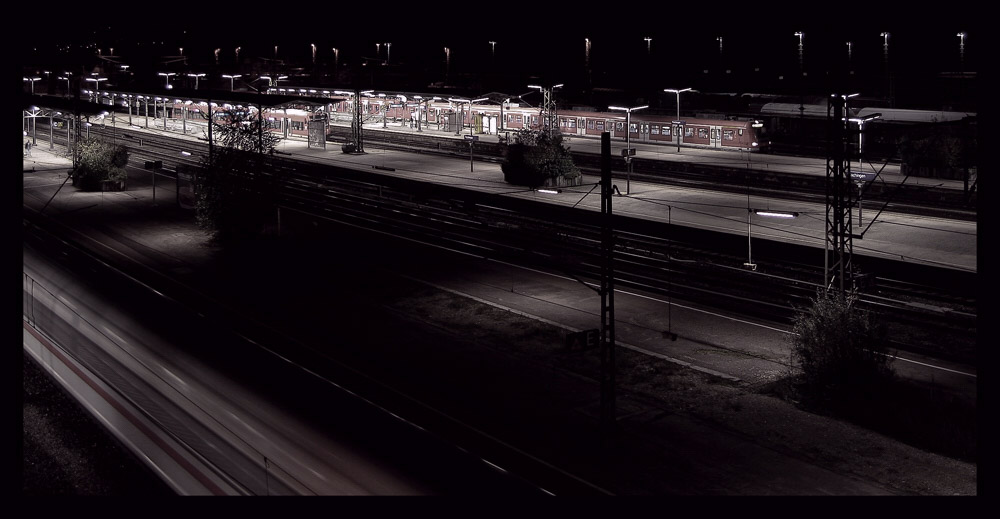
(551, 191)
(776, 214)
(186, 153)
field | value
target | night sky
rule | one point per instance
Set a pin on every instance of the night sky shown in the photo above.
(541, 42)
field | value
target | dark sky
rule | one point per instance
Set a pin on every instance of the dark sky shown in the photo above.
(544, 39)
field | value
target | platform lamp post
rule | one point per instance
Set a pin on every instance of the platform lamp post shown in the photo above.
(32, 81)
(628, 134)
(232, 78)
(196, 76)
(861, 125)
(167, 76)
(97, 82)
(678, 121)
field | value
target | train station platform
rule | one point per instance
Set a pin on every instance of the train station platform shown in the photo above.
(906, 237)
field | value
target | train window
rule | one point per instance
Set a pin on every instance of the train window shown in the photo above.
(599, 125)
(655, 130)
(702, 133)
(688, 131)
(517, 118)
(620, 126)
(741, 132)
(666, 130)
(590, 124)
(571, 123)
(632, 128)
(728, 135)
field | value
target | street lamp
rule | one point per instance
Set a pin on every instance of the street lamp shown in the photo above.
(313, 45)
(388, 47)
(493, 49)
(196, 76)
(426, 103)
(720, 45)
(32, 80)
(231, 78)
(961, 47)
(336, 58)
(98, 82)
(801, 35)
(678, 121)
(761, 212)
(167, 75)
(648, 40)
(628, 134)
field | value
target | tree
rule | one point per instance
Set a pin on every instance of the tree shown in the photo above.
(536, 159)
(840, 349)
(235, 188)
(99, 162)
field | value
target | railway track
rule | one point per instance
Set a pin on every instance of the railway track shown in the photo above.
(657, 258)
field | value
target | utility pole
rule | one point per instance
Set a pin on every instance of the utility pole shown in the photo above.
(356, 133)
(839, 235)
(608, 422)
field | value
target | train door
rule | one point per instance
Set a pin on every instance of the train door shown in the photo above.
(716, 137)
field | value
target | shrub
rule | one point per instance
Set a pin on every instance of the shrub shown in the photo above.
(99, 161)
(535, 157)
(840, 349)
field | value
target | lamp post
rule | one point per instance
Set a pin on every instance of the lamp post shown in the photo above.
(196, 76)
(961, 48)
(167, 75)
(493, 50)
(97, 81)
(336, 59)
(648, 40)
(426, 103)
(388, 48)
(447, 63)
(231, 79)
(628, 134)
(885, 60)
(32, 81)
(678, 121)
(313, 45)
(801, 35)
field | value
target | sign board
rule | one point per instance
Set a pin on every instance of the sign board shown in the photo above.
(583, 340)
(679, 122)
(862, 177)
(472, 137)
(628, 152)
(185, 187)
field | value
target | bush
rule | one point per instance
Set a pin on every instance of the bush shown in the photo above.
(98, 162)
(840, 349)
(535, 157)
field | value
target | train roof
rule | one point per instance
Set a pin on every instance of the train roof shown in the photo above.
(914, 116)
(796, 109)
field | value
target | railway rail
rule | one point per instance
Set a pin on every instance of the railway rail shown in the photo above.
(657, 258)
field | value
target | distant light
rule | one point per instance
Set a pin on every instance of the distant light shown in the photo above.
(186, 153)
(776, 214)
(550, 191)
